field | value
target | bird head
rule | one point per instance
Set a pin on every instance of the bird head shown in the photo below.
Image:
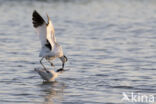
(61, 70)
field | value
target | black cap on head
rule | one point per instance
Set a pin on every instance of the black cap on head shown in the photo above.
(59, 70)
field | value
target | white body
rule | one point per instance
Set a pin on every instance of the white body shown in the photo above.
(46, 32)
(47, 76)
(50, 49)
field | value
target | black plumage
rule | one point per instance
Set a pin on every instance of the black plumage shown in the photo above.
(37, 19)
(60, 70)
(48, 45)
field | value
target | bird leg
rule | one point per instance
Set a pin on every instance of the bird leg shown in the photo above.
(43, 65)
(62, 65)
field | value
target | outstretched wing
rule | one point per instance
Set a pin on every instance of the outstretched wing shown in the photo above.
(50, 32)
(41, 29)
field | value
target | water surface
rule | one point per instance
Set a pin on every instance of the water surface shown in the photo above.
(110, 44)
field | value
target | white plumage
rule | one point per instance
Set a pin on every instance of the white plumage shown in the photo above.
(47, 76)
(50, 49)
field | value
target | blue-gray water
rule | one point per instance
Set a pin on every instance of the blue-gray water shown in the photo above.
(110, 44)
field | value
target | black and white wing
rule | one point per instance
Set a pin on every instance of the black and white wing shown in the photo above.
(41, 28)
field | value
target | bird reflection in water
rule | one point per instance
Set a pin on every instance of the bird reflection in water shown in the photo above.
(53, 92)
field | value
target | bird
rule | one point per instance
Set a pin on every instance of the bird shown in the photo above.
(50, 49)
(49, 76)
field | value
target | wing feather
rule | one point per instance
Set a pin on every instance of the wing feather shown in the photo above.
(41, 29)
(51, 32)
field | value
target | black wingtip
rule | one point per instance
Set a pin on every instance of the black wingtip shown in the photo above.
(34, 10)
(37, 20)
